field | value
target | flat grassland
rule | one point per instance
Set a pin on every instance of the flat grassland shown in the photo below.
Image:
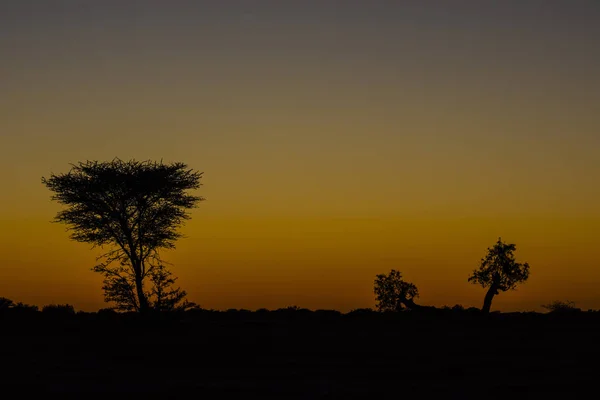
(299, 354)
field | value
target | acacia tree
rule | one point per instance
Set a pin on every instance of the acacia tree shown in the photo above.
(392, 293)
(499, 272)
(133, 208)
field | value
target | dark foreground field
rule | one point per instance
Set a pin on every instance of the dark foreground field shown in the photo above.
(304, 355)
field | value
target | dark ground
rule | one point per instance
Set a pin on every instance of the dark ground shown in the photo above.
(304, 355)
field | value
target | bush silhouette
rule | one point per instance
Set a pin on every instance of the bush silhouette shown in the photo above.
(561, 307)
(9, 306)
(5, 304)
(361, 311)
(58, 310)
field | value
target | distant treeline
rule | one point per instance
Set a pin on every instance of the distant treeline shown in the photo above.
(67, 311)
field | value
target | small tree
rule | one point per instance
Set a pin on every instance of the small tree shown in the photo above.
(132, 207)
(499, 272)
(393, 293)
(164, 296)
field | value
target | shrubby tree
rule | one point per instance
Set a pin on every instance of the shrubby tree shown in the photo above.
(134, 209)
(119, 288)
(499, 272)
(392, 293)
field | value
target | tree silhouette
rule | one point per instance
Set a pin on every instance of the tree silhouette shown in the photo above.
(132, 207)
(164, 296)
(393, 293)
(499, 272)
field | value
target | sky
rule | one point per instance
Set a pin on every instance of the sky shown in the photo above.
(338, 140)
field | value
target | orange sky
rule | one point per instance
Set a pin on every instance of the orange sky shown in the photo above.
(336, 144)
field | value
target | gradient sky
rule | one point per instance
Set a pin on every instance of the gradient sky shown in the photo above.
(338, 140)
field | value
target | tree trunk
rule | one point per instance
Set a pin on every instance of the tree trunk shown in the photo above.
(410, 304)
(143, 301)
(487, 301)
